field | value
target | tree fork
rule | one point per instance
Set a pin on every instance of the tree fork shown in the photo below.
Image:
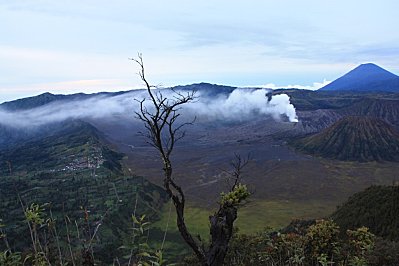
(162, 133)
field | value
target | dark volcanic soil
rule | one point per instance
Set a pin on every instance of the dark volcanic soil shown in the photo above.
(202, 161)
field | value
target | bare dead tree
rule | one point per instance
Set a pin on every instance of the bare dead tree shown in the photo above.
(162, 132)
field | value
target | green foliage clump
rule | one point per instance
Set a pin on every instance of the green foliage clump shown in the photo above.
(236, 196)
(361, 243)
(319, 244)
(34, 214)
(140, 251)
(323, 240)
(377, 208)
(8, 258)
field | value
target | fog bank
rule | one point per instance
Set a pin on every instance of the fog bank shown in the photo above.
(240, 105)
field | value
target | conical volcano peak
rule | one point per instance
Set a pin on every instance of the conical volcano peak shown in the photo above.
(365, 77)
(354, 138)
(371, 68)
(369, 65)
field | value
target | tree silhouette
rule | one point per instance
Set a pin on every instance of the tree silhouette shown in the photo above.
(162, 131)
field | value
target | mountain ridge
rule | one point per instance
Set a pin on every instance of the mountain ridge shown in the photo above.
(45, 98)
(365, 77)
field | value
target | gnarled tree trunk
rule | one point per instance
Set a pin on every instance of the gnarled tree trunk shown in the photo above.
(162, 133)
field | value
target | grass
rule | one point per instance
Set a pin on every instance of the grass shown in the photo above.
(259, 214)
(252, 217)
(196, 219)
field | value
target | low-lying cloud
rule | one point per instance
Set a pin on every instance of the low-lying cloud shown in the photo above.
(241, 104)
(313, 87)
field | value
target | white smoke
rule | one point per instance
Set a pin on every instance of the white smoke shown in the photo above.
(241, 104)
(244, 104)
(95, 107)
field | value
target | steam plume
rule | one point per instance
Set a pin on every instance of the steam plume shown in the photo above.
(241, 104)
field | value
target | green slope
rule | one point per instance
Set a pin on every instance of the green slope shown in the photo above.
(78, 177)
(377, 207)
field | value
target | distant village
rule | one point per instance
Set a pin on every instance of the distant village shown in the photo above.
(88, 159)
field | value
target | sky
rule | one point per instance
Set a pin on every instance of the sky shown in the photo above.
(84, 46)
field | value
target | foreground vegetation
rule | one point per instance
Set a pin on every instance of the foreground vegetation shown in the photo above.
(377, 207)
(57, 241)
(322, 243)
(66, 194)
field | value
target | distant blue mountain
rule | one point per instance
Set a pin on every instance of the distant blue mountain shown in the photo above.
(45, 98)
(206, 88)
(366, 77)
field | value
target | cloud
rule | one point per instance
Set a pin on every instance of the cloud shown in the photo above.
(32, 63)
(245, 104)
(241, 104)
(77, 86)
(95, 107)
(213, 41)
(315, 86)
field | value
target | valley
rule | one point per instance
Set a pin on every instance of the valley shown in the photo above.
(199, 133)
(342, 143)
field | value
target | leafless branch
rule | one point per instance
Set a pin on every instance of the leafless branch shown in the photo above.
(162, 131)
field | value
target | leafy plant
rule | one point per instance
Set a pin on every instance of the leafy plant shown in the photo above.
(9, 258)
(323, 240)
(361, 242)
(236, 196)
(140, 251)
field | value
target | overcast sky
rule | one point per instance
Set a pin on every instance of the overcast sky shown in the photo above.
(84, 46)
